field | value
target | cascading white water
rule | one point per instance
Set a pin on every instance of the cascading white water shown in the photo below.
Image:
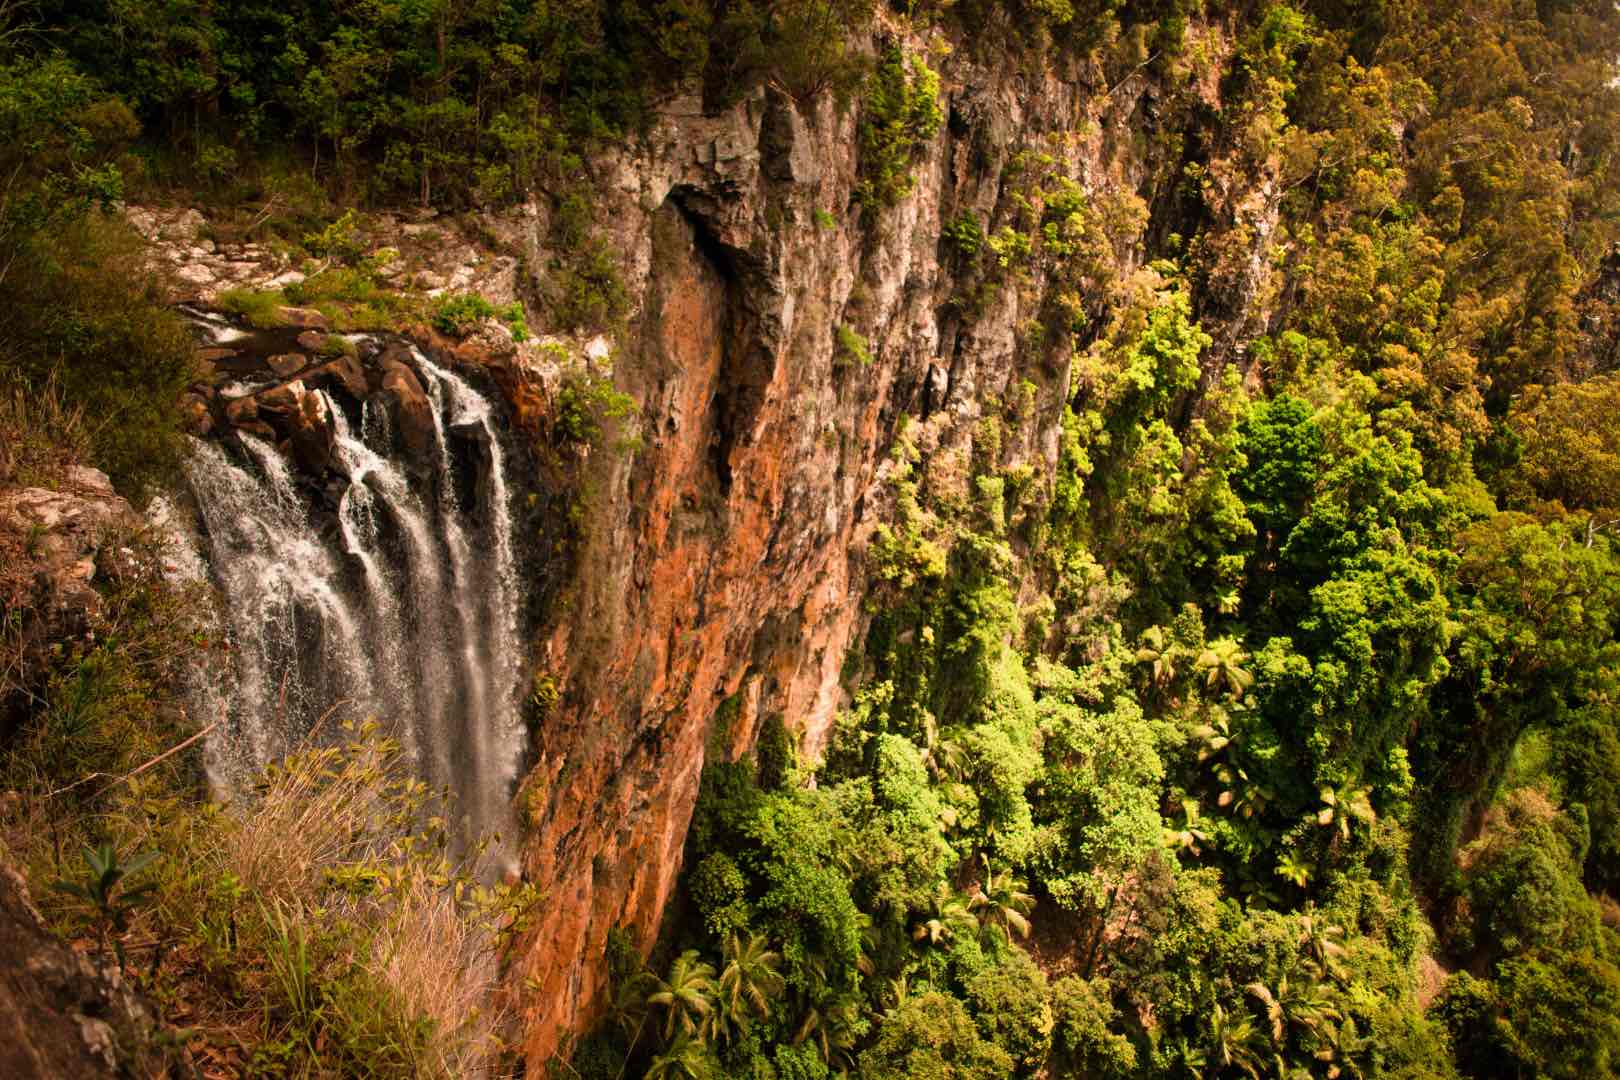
(387, 611)
(499, 654)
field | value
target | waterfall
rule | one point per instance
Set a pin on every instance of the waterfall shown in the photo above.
(390, 591)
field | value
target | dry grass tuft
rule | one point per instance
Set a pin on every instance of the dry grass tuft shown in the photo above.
(443, 967)
(345, 832)
(321, 809)
(41, 435)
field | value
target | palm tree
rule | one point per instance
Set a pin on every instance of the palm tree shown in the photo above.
(811, 981)
(833, 1028)
(1321, 941)
(1245, 797)
(1001, 901)
(750, 980)
(896, 992)
(1284, 1070)
(1221, 662)
(944, 757)
(871, 938)
(1232, 1040)
(1157, 648)
(1341, 810)
(1292, 1005)
(685, 1059)
(686, 996)
(1190, 1057)
(1215, 735)
(946, 915)
(629, 1006)
(1341, 1046)
(1291, 868)
(1190, 835)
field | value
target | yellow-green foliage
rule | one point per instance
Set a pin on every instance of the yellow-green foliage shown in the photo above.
(587, 403)
(259, 308)
(852, 348)
(900, 114)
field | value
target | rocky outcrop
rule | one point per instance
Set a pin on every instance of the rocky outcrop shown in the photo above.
(432, 257)
(725, 556)
(62, 1016)
(53, 544)
(277, 385)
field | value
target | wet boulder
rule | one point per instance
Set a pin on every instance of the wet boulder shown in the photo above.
(408, 406)
(196, 415)
(349, 373)
(240, 410)
(312, 433)
(285, 364)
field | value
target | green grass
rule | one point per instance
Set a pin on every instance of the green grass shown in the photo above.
(260, 309)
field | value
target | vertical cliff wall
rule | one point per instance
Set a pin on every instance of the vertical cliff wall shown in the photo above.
(725, 556)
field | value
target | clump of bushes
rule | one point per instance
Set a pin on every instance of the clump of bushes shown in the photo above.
(81, 309)
(315, 928)
(852, 348)
(41, 435)
(457, 315)
(586, 403)
(258, 308)
(901, 114)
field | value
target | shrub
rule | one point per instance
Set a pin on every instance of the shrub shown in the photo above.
(340, 241)
(41, 435)
(82, 310)
(801, 47)
(586, 402)
(776, 753)
(964, 234)
(720, 892)
(902, 114)
(353, 946)
(457, 315)
(257, 308)
(349, 285)
(587, 292)
(852, 348)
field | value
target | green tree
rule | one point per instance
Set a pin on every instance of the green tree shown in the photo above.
(1292, 1004)
(1560, 1015)
(1536, 616)
(1000, 901)
(931, 1037)
(1083, 1042)
(945, 917)
(686, 1058)
(1010, 1002)
(900, 114)
(686, 996)
(1234, 1041)
(1222, 664)
(832, 1024)
(749, 981)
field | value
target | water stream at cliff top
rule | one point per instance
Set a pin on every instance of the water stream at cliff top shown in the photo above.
(403, 604)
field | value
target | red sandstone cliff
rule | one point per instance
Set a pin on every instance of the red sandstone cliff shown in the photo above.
(725, 556)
